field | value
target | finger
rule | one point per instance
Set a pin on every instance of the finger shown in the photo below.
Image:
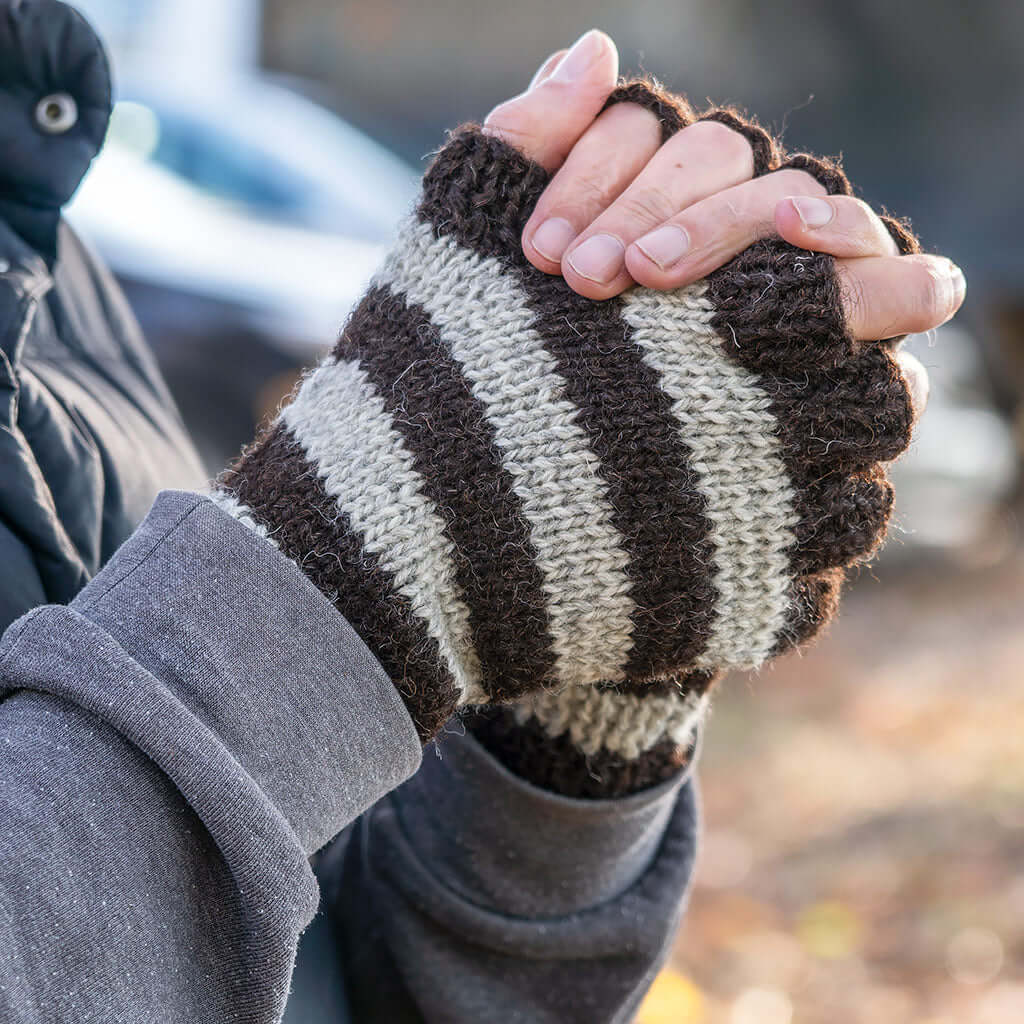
(545, 122)
(611, 153)
(814, 602)
(886, 296)
(837, 225)
(544, 71)
(916, 377)
(701, 160)
(843, 520)
(874, 425)
(711, 232)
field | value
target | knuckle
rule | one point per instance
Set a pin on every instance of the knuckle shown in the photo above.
(798, 182)
(646, 206)
(731, 219)
(720, 139)
(589, 190)
(858, 224)
(861, 210)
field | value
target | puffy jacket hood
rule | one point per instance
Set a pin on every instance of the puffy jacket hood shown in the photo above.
(55, 102)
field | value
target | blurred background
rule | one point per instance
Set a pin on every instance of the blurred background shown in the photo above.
(864, 859)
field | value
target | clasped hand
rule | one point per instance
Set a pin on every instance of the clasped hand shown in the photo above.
(626, 207)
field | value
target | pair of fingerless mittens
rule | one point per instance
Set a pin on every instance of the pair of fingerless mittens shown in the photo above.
(574, 514)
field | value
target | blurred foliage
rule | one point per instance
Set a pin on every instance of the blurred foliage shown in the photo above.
(864, 810)
(673, 999)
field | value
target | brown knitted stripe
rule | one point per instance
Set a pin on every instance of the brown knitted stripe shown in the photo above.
(276, 480)
(769, 334)
(630, 427)
(778, 307)
(481, 191)
(556, 764)
(852, 512)
(675, 683)
(453, 446)
(653, 490)
(672, 111)
(832, 420)
(764, 301)
(848, 418)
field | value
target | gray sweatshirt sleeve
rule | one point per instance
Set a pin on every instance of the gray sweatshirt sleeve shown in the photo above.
(177, 743)
(173, 747)
(470, 895)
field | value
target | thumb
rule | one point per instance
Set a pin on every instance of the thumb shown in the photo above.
(545, 70)
(545, 121)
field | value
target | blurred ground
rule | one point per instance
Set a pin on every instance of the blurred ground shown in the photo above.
(864, 856)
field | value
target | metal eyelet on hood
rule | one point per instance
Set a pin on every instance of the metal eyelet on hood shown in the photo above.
(57, 113)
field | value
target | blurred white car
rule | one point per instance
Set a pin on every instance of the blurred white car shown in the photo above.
(245, 194)
(243, 222)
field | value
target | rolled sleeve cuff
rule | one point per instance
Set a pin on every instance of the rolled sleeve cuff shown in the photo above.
(213, 653)
(512, 847)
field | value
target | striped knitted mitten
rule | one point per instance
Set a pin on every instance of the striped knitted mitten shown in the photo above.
(510, 491)
(612, 739)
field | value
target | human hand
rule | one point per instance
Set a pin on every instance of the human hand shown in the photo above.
(509, 489)
(605, 740)
(630, 193)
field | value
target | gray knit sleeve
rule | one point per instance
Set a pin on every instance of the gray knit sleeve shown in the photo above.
(173, 747)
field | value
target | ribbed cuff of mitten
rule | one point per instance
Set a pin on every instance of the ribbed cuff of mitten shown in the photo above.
(598, 742)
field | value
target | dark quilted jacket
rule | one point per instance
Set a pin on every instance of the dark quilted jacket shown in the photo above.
(88, 431)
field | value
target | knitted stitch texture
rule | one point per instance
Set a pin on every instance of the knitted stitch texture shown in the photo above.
(515, 494)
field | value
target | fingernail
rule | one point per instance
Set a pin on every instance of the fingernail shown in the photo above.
(815, 213)
(665, 246)
(552, 238)
(916, 378)
(959, 284)
(919, 392)
(598, 259)
(583, 53)
(546, 68)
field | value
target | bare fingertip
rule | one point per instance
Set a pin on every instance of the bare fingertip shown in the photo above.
(552, 238)
(959, 285)
(814, 213)
(916, 378)
(582, 56)
(546, 69)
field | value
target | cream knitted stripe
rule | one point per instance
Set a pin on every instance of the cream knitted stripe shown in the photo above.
(484, 318)
(345, 431)
(725, 420)
(230, 504)
(625, 724)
